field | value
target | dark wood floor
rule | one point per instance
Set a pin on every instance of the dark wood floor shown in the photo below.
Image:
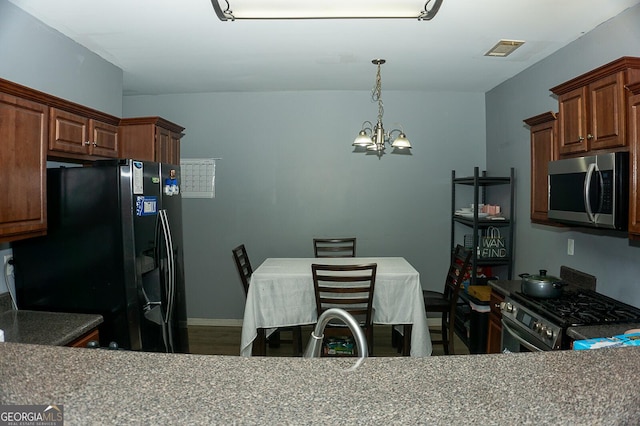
(211, 340)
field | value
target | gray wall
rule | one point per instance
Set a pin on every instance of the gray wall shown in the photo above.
(613, 260)
(287, 174)
(37, 56)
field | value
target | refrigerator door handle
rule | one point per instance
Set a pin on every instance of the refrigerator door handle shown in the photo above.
(170, 284)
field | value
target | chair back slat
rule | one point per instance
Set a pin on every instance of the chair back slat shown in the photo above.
(459, 270)
(334, 247)
(349, 287)
(243, 265)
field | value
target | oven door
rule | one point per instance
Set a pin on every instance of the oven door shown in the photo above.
(515, 339)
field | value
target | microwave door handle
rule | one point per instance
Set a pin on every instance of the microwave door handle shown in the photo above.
(587, 189)
(516, 336)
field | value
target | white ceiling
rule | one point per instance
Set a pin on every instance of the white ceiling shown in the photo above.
(178, 46)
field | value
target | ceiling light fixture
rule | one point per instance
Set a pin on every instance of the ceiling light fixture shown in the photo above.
(326, 9)
(374, 138)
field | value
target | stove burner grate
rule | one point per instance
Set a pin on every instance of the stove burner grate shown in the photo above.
(584, 307)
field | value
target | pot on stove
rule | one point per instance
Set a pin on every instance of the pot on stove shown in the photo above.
(543, 286)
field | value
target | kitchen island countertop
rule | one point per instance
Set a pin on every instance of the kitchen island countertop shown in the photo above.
(123, 387)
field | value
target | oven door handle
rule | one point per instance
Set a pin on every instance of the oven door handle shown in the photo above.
(517, 336)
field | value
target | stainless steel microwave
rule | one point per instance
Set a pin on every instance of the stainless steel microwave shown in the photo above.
(590, 191)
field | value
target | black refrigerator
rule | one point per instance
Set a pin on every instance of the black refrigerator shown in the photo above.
(114, 248)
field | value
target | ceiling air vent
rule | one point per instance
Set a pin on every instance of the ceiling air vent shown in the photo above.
(504, 48)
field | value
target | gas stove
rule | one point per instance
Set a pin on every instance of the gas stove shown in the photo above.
(581, 307)
(542, 323)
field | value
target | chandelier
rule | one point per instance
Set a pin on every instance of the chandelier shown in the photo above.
(374, 138)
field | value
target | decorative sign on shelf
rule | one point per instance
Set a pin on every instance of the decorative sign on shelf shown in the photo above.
(492, 244)
(198, 177)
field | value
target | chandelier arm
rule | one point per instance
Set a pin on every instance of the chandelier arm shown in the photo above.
(394, 130)
(428, 14)
(228, 13)
(369, 127)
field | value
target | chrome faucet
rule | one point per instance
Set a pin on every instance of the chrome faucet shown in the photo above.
(315, 343)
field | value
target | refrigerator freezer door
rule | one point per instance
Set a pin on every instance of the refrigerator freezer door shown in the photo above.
(172, 205)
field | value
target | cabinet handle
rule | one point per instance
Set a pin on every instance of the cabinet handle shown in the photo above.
(580, 138)
(87, 143)
(95, 144)
(589, 136)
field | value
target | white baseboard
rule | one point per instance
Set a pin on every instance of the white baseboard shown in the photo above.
(223, 322)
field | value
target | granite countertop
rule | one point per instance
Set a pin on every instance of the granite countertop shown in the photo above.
(595, 331)
(505, 287)
(43, 328)
(97, 386)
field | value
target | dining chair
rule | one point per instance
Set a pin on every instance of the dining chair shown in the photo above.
(446, 302)
(260, 345)
(334, 247)
(349, 287)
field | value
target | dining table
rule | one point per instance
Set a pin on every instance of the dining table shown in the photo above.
(281, 294)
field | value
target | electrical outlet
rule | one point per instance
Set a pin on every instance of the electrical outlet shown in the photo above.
(570, 246)
(7, 258)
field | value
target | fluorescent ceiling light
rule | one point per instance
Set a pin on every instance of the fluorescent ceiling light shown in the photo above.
(504, 48)
(230, 10)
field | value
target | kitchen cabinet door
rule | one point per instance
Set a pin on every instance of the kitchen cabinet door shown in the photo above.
(168, 146)
(69, 132)
(151, 139)
(634, 176)
(83, 341)
(572, 108)
(607, 113)
(592, 117)
(544, 148)
(494, 330)
(77, 134)
(593, 108)
(104, 139)
(23, 132)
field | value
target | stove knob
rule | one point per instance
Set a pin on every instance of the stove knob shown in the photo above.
(536, 326)
(506, 306)
(548, 333)
(542, 329)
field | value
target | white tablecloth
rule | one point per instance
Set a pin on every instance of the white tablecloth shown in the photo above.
(281, 294)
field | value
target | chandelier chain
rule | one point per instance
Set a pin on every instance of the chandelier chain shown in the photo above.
(376, 94)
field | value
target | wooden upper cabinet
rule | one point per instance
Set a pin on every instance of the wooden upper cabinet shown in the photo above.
(592, 108)
(607, 112)
(78, 134)
(544, 148)
(150, 139)
(23, 134)
(573, 129)
(634, 158)
(104, 139)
